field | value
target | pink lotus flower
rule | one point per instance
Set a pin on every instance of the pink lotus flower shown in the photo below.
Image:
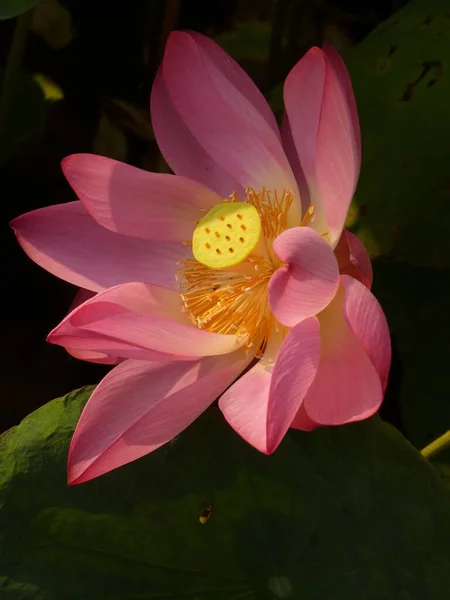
(239, 256)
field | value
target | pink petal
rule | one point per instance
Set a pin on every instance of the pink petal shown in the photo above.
(237, 77)
(65, 240)
(291, 153)
(295, 369)
(138, 321)
(261, 405)
(124, 199)
(302, 421)
(95, 357)
(181, 150)
(139, 406)
(323, 130)
(222, 119)
(367, 322)
(339, 67)
(353, 259)
(309, 281)
(347, 387)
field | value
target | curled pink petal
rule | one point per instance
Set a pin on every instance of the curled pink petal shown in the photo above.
(309, 281)
(95, 357)
(322, 123)
(138, 321)
(222, 119)
(140, 405)
(65, 240)
(124, 199)
(261, 405)
(90, 356)
(367, 321)
(347, 386)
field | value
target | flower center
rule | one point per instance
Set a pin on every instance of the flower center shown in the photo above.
(226, 235)
(224, 288)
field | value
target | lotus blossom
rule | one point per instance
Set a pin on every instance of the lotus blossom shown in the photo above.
(232, 278)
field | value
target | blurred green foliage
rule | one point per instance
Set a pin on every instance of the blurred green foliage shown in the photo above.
(26, 115)
(13, 8)
(339, 513)
(415, 300)
(402, 86)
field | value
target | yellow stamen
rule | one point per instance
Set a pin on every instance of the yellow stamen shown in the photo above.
(228, 302)
(226, 292)
(273, 209)
(309, 214)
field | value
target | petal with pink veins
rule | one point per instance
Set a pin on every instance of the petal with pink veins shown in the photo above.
(367, 321)
(182, 152)
(322, 123)
(291, 153)
(340, 69)
(140, 405)
(223, 120)
(261, 405)
(309, 281)
(347, 386)
(139, 321)
(124, 199)
(237, 77)
(66, 241)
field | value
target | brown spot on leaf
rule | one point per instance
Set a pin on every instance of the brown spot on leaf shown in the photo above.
(392, 50)
(429, 66)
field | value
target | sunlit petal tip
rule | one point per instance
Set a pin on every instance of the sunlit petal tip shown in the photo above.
(324, 127)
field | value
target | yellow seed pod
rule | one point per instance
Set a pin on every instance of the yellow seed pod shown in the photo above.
(226, 235)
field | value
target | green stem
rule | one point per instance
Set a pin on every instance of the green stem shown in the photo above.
(442, 443)
(12, 68)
